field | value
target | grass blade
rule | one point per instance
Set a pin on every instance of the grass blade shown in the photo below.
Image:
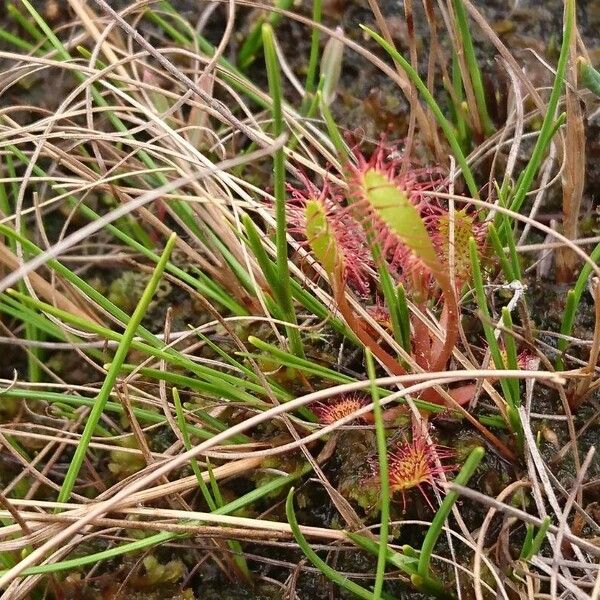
(330, 573)
(284, 286)
(435, 529)
(548, 126)
(112, 374)
(445, 125)
(473, 66)
(383, 478)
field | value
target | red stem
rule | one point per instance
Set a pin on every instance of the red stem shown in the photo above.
(391, 364)
(451, 310)
(422, 347)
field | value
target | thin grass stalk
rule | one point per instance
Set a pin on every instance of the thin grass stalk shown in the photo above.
(312, 368)
(396, 311)
(218, 382)
(403, 316)
(539, 538)
(112, 374)
(548, 125)
(390, 296)
(249, 373)
(213, 388)
(435, 529)
(504, 225)
(269, 270)
(568, 319)
(231, 74)
(181, 209)
(284, 287)
(508, 389)
(11, 306)
(31, 332)
(462, 130)
(334, 133)
(25, 24)
(144, 416)
(16, 41)
(445, 125)
(331, 574)
(253, 239)
(313, 61)
(407, 562)
(533, 541)
(164, 537)
(256, 37)
(384, 480)
(473, 66)
(512, 362)
(513, 255)
(572, 303)
(210, 290)
(214, 500)
(500, 253)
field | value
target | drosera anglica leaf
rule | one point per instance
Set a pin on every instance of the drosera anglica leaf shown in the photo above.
(320, 237)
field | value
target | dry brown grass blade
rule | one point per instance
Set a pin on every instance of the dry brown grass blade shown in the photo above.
(584, 387)
(126, 496)
(573, 182)
(216, 202)
(48, 292)
(88, 19)
(504, 52)
(418, 113)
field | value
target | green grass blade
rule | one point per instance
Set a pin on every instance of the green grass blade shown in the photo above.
(222, 383)
(539, 538)
(566, 326)
(392, 298)
(183, 428)
(215, 388)
(25, 23)
(548, 125)
(112, 374)
(253, 239)
(435, 529)
(572, 303)
(457, 110)
(312, 368)
(588, 76)
(164, 537)
(507, 268)
(403, 316)
(334, 133)
(473, 66)
(331, 574)
(144, 416)
(182, 210)
(254, 40)
(16, 41)
(445, 125)
(32, 333)
(383, 478)
(511, 353)
(486, 320)
(283, 272)
(313, 60)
